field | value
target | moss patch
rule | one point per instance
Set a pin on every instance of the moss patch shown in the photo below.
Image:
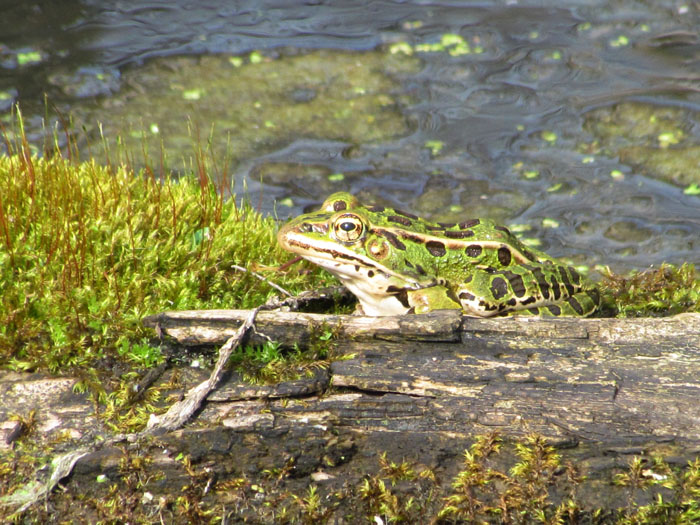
(667, 290)
(88, 251)
(524, 482)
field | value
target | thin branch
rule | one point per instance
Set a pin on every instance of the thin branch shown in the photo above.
(178, 414)
(265, 279)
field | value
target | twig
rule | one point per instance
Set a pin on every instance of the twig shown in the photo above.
(178, 414)
(265, 279)
(35, 491)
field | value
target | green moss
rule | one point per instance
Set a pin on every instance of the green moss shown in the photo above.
(88, 251)
(668, 290)
(496, 481)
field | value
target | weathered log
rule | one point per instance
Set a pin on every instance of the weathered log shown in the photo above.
(422, 387)
(213, 327)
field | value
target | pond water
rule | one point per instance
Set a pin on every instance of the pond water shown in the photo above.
(576, 123)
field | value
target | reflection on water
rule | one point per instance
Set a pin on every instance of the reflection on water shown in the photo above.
(580, 123)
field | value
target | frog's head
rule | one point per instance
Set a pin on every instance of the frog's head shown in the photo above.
(344, 238)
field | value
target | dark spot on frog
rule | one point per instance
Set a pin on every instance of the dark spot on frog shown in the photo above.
(469, 224)
(504, 256)
(370, 274)
(554, 309)
(534, 311)
(393, 239)
(488, 306)
(447, 224)
(541, 282)
(499, 287)
(529, 255)
(502, 229)
(405, 214)
(436, 248)
(459, 234)
(408, 263)
(529, 300)
(575, 277)
(516, 283)
(556, 288)
(404, 234)
(400, 293)
(564, 276)
(433, 227)
(466, 296)
(575, 305)
(376, 209)
(473, 250)
(357, 268)
(340, 205)
(399, 220)
(420, 269)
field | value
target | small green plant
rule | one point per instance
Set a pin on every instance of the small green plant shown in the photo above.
(396, 471)
(312, 509)
(681, 506)
(473, 482)
(271, 362)
(525, 482)
(667, 290)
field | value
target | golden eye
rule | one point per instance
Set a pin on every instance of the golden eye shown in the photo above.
(348, 228)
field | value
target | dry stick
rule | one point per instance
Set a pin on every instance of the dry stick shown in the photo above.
(35, 491)
(264, 279)
(178, 414)
(174, 418)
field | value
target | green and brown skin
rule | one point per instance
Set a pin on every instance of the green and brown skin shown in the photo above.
(397, 263)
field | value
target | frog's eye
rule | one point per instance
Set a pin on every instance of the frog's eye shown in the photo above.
(348, 228)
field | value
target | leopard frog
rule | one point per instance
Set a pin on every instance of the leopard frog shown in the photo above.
(397, 263)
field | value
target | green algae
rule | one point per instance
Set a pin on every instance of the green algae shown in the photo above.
(258, 104)
(657, 141)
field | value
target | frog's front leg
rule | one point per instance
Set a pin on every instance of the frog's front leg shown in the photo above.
(437, 297)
